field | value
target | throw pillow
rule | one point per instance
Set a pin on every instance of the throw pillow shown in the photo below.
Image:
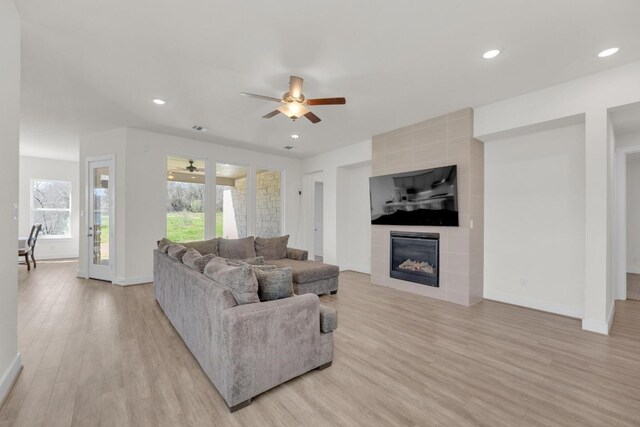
(205, 247)
(251, 261)
(237, 248)
(240, 280)
(190, 255)
(176, 251)
(272, 247)
(163, 245)
(200, 263)
(274, 284)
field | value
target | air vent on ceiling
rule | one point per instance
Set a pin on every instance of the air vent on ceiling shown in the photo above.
(199, 128)
(289, 147)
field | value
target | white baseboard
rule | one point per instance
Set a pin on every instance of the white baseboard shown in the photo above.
(9, 377)
(595, 325)
(551, 307)
(633, 270)
(600, 326)
(82, 274)
(56, 256)
(129, 281)
(356, 268)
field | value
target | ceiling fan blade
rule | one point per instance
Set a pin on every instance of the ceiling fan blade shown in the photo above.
(271, 114)
(312, 117)
(295, 86)
(326, 101)
(266, 98)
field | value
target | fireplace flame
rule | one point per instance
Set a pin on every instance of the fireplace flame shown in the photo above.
(420, 266)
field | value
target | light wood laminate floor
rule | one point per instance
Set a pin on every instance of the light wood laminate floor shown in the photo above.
(99, 354)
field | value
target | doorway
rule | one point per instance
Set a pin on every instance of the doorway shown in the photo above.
(101, 221)
(318, 222)
(633, 225)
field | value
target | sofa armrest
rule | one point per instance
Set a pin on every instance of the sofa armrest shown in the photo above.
(269, 343)
(297, 254)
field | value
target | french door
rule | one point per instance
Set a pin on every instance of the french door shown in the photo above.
(101, 220)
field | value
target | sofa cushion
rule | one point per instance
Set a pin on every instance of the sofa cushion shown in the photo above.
(193, 259)
(308, 271)
(163, 244)
(272, 247)
(258, 260)
(328, 319)
(264, 267)
(240, 280)
(274, 283)
(205, 247)
(236, 248)
(176, 251)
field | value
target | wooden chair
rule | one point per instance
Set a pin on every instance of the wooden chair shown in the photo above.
(30, 247)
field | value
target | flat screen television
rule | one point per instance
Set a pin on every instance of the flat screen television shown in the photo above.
(423, 197)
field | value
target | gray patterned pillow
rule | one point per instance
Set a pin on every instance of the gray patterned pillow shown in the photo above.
(200, 263)
(236, 248)
(190, 255)
(240, 280)
(274, 284)
(272, 247)
(176, 251)
(163, 245)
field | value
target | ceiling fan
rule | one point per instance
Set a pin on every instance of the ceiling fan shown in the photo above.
(192, 168)
(294, 104)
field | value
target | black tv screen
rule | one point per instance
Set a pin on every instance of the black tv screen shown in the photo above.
(424, 197)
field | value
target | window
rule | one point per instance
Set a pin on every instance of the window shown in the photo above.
(268, 203)
(51, 207)
(231, 201)
(185, 199)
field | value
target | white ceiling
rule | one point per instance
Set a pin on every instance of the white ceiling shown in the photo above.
(93, 65)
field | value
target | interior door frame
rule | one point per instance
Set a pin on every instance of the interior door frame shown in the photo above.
(111, 159)
(620, 221)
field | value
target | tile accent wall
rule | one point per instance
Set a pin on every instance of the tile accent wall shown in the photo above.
(442, 141)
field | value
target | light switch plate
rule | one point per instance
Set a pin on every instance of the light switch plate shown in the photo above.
(15, 211)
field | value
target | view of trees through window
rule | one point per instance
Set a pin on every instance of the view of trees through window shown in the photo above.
(185, 199)
(51, 207)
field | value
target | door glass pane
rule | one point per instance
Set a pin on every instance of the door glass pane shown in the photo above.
(186, 189)
(231, 201)
(268, 203)
(101, 202)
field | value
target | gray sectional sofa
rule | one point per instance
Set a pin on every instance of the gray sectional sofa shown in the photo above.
(244, 349)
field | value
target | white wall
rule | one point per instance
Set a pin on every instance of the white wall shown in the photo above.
(141, 190)
(9, 136)
(354, 225)
(633, 216)
(534, 220)
(591, 97)
(324, 167)
(60, 170)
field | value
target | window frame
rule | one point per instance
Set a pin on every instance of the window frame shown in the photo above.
(33, 209)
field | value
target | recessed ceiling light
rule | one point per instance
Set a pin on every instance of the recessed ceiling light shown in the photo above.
(289, 147)
(608, 52)
(294, 136)
(490, 54)
(159, 101)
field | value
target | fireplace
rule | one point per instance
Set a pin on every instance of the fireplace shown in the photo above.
(415, 257)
